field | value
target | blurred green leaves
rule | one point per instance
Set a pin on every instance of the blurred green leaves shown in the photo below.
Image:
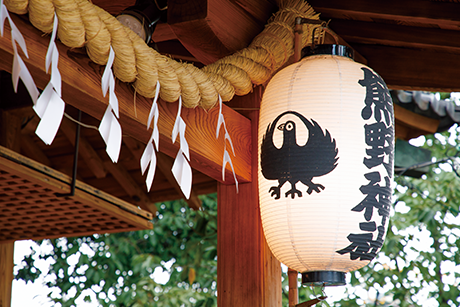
(419, 262)
(117, 269)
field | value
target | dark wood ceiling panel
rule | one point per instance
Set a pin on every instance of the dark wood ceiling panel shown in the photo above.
(397, 35)
(416, 69)
(114, 7)
(212, 29)
(413, 44)
(444, 14)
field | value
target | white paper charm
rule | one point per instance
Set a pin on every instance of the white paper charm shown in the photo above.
(19, 67)
(183, 173)
(51, 119)
(149, 157)
(226, 157)
(3, 15)
(49, 106)
(153, 114)
(110, 128)
(181, 168)
(110, 131)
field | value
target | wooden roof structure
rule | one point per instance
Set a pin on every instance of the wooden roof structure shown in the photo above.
(411, 44)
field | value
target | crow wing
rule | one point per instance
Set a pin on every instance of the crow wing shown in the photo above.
(320, 152)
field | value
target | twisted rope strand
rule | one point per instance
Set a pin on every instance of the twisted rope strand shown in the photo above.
(81, 23)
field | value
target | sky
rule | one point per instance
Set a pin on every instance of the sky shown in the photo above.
(35, 294)
(27, 294)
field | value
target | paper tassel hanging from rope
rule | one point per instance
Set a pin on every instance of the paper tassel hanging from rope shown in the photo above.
(109, 127)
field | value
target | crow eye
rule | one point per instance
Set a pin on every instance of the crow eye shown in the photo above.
(289, 126)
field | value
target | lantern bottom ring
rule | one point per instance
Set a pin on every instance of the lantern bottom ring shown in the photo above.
(323, 278)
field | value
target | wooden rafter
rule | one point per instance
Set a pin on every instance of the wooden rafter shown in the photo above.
(414, 69)
(137, 194)
(444, 14)
(213, 29)
(397, 35)
(86, 151)
(412, 44)
(30, 148)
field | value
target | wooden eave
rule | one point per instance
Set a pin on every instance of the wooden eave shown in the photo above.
(410, 43)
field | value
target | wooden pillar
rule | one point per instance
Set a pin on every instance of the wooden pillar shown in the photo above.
(6, 273)
(293, 277)
(9, 137)
(247, 272)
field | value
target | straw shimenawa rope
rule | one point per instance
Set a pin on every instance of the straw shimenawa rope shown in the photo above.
(81, 23)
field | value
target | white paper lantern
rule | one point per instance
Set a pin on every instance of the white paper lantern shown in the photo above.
(326, 141)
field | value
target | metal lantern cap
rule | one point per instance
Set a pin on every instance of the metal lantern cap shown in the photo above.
(323, 278)
(329, 49)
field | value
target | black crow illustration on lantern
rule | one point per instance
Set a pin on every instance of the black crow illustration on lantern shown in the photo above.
(326, 143)
(319, 156)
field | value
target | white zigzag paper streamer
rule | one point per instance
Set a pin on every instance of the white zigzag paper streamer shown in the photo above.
(110, 128)
(149, 156)
(226, 158)
(181, 168)
(19, 67)
(50, 106)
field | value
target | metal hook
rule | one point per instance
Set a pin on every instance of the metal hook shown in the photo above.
(323, 25)
(298, 32)
(312, 302)
(316, 300)
(75, 162)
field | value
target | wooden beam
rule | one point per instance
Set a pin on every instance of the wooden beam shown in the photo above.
(138, 196)
(413, 69)
(81, 88)
(411, 125)
(114, 7)
(162, 33)
(373, 33)
(87, 152)
(441, 13)
(33, 151)
(248, 275)
(212, 29)
(176, 51)
(10, 127)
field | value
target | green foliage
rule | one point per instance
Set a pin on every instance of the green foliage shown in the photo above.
(118, 268)
(419, 264)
